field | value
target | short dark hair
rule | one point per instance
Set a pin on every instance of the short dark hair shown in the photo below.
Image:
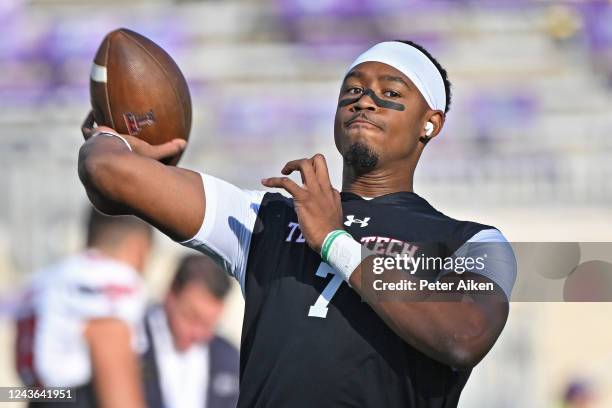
(107, 230)
(201, 269)
(443, 73)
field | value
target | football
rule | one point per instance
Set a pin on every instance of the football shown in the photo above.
(137, 89)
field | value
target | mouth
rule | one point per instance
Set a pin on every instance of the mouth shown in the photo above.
(361, 122)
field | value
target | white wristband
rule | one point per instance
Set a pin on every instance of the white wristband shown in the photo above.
(344, 255)
(115, 135)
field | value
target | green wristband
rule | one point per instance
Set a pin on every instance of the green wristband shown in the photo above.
(327, 243)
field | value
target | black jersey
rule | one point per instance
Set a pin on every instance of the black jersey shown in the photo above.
(308, 340)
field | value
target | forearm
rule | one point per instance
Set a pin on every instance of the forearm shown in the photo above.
(118, 181)
(455, 332)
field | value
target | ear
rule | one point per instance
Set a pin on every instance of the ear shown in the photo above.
(437, 119)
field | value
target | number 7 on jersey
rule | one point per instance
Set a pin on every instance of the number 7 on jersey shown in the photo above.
(319, 309)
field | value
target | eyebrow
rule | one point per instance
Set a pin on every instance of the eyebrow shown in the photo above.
(392, 78)
(353, 74)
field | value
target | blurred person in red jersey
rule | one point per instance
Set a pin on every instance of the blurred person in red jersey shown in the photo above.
(187, 365)
(80, 325)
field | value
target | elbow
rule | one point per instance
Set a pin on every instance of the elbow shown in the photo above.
(466, 351)
(467, 348)
(463, 358)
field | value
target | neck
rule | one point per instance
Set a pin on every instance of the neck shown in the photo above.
(119, 254)
(379, 181)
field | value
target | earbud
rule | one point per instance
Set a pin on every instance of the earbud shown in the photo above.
(429, 128)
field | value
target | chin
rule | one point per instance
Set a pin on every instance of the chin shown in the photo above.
(180, 346)
(361, 156)
(351, 137)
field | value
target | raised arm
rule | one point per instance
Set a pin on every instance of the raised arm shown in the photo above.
(120, 181)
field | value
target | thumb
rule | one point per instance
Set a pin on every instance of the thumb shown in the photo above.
(167, 149)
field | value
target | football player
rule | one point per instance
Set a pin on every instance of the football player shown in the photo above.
(309, 339)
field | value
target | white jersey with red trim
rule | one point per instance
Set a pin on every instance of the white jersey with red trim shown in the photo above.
(51, 348)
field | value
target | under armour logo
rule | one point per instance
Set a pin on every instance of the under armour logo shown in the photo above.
(350, 219)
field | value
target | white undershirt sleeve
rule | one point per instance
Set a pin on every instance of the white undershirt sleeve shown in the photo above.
(229, 220)
(499, 261)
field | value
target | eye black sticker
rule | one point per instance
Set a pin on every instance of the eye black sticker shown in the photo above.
(381, 103)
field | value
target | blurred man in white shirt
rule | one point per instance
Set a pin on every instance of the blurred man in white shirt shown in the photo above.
(187, 365)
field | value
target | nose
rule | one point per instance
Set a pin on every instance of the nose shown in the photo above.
(365, 102)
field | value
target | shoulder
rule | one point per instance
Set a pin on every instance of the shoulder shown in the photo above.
(221, 345)
(224, 356)
(459, 231)
(466, 230)
(275, 208)
(217, 188)
(92, 268)
(277, 200)
(94, 275)
(91, 286)
(486, 246)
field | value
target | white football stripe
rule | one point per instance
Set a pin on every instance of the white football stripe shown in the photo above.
(98, 73)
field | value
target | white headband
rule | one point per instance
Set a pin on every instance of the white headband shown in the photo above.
(412, 63)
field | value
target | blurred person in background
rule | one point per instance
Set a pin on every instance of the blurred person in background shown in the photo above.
(81, 322)
(186, 364)
(579, 393)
